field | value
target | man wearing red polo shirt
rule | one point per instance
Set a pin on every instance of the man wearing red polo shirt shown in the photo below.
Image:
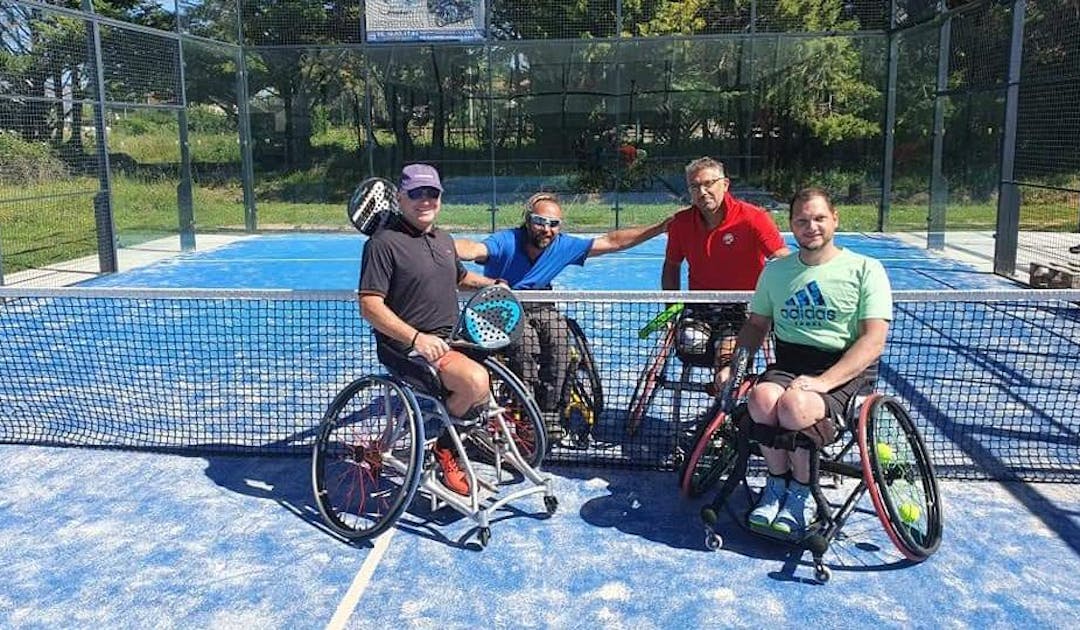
(725, 242)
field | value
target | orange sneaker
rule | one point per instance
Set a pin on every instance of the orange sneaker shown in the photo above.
(453, 477)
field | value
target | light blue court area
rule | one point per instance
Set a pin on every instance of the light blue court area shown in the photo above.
(332, 262)
(137, 540)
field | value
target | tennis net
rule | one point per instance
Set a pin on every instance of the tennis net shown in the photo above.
(989, 376)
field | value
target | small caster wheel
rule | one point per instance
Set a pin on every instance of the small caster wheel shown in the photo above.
(485, 536)
(713, 541)
(677, 459)
(552, 504)
(822, 574)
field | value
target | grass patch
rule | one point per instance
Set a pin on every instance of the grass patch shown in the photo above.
(46, 223)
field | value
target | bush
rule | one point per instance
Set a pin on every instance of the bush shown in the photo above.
(23, 162)
(209, 119)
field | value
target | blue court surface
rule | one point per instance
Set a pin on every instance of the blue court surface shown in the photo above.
(99, 538)
(332, 262)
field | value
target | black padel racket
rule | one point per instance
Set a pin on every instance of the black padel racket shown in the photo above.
(372, 204)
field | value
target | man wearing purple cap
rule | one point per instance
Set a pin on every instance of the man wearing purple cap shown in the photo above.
(407, 293)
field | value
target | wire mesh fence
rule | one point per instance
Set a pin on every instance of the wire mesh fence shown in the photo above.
(225, 115)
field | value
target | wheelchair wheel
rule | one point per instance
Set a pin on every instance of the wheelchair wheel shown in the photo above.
(713, 451)
(583, 397)
(368, 457)
(522, 416)
(900, 477)
(649, 382)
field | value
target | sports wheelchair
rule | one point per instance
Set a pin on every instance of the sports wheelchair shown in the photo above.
(693, 334)
(582, 397)
(880, 447)
(374, 446)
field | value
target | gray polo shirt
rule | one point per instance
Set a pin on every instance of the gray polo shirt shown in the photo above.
(417, 273)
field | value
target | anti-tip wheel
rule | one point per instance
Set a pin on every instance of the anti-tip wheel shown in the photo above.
(822, 574)
(552, 504)
(484, 536)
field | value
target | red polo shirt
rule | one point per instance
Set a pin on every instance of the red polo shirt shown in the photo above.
(729, 257)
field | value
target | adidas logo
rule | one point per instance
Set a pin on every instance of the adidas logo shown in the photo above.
(807, 306)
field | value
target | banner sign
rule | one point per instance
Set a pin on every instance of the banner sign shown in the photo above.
(424, 20)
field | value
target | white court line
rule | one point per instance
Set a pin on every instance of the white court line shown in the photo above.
(360, 582)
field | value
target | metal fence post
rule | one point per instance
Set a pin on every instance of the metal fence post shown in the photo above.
(184, 195)
(1008, 212)
(247, 161)
(939, 188)
(103, 209)
(887, 165)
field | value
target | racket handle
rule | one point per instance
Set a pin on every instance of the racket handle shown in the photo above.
(660, 320)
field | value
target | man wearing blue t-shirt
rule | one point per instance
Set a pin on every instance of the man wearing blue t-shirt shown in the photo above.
(528, 258)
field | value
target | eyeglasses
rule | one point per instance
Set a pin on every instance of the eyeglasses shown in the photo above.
(541, 221)
(424, 192)
(707, 184)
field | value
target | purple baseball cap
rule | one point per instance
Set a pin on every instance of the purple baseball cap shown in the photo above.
(415, 176)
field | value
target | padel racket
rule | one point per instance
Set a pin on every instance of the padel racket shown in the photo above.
(491, 320)
(660, 320)
(372, 204)
(740, 369)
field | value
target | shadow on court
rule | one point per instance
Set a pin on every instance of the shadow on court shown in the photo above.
(285, 480)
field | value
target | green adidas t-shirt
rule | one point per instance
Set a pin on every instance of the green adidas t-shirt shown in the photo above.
(821, 306)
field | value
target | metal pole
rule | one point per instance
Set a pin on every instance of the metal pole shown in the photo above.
(939, 188)
(103, 210)
(247, 160)
(491, 116)
(184, 196)
(887, 165)
(1008, 213)
(243, 120)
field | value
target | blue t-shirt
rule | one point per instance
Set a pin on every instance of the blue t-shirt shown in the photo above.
(507, 258)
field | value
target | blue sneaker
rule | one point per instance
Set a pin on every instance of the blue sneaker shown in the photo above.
(792, 517)
(772, 497)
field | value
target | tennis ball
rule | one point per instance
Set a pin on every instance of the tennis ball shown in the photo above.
(884, 453)
(909, 512)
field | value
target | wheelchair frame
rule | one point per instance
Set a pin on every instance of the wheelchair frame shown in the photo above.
(582, 397)
(880, 473)
(364, 480)
(654, 377)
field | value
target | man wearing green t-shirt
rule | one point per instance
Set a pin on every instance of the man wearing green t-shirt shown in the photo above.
(829, 309)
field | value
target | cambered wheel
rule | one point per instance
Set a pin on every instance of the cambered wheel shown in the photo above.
(367, 458)
(521, 415)
(650, 381)
(583, 395)
(900, 477)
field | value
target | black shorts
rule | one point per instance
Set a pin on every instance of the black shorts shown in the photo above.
(415, 371)
(828, 428)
